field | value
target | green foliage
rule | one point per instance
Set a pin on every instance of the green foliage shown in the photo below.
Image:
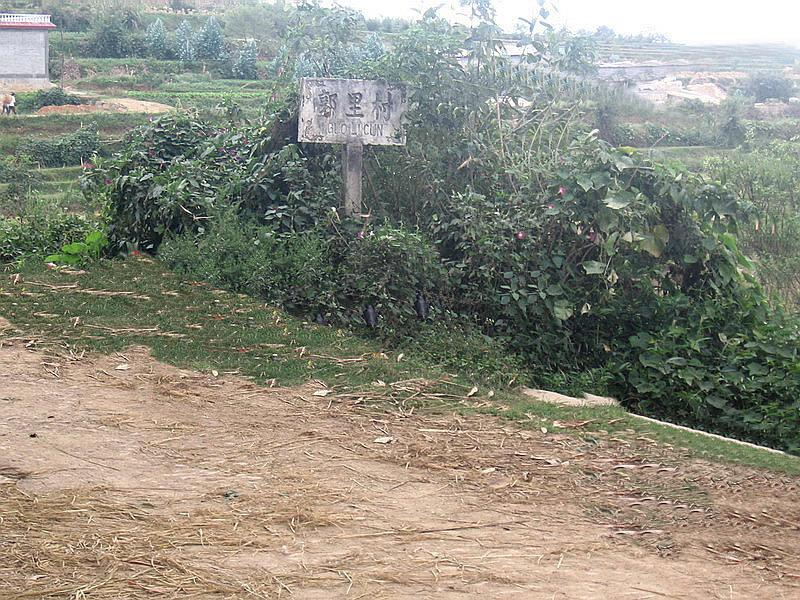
(40, 236)
(386, 268)
(730, 120)
(54, 97)
(75, 16)
(154, 187)
(769, 86)
(19, 175)
(245, 65)
(111, 36)
(767, 178)
(581, 259)
(723, 365)
(185, 42)
(209, 43)
(156, 40)
(70, 149)
(264, 22)
(324, 270)
(77, 253)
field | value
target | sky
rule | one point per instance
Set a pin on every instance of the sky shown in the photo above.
(683, 21)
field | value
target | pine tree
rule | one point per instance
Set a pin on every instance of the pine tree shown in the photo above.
(210, 43)
(156, 40)
(184, 42)
(245, 66)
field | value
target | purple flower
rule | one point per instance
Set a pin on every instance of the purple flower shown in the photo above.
(107, 181)
(360, 235)
(520, 235)
(562, 190)
(551, 205)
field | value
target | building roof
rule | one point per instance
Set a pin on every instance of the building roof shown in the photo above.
(23, 21)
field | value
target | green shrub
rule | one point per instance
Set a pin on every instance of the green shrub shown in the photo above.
(720, 365)
(33, 101)
(112, 36)
(40, 236)
(769, 86)
(209, 42)
(81, 252)
(242, 256)
(386, 268)
(54, 97)
(20, 177)
(317, 271)
(245, 65)
(156, 40)
(67, 150)
(583, 260)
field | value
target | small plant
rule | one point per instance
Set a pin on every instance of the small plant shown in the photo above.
(40, 235)
(77, 253)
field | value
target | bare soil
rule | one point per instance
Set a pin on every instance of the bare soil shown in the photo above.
(121, 477)
(116, 105)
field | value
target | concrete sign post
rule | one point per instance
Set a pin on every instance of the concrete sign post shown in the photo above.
(353, 112)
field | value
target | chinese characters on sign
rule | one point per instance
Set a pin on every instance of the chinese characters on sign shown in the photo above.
(352, 111)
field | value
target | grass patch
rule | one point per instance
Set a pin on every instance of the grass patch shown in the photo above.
(192, 325)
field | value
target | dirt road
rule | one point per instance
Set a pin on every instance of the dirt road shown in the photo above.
(121, 477)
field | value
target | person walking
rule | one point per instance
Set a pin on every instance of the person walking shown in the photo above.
(12, 105)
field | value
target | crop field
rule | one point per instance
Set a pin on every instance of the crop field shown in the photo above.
(712, 57)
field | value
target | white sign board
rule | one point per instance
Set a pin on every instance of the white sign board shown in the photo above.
(352, 111)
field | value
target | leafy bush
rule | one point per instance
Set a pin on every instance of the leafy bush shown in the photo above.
(156, 40)
(319, 271)
(768, 178)
(245, 65)
(22, 237)
(387, 268)
(185, 42)
(209, 43)
(581, 259)
(49, 97)
(736, 375)
(769, 86)
(71, 149)
(76, 253)
(112, 36)
(19, 175)
(75, 17)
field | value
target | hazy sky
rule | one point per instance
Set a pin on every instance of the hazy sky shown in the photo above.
(688, 21)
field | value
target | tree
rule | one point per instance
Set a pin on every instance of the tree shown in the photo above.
(210, 43)
(156, 40)
(184, 42)
(731, 116)
(181, 6)
(245, 66)
(768, 86)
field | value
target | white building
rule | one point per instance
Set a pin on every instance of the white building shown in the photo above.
(24, 51)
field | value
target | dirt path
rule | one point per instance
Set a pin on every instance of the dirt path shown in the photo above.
(121, 477)
(115, 105)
